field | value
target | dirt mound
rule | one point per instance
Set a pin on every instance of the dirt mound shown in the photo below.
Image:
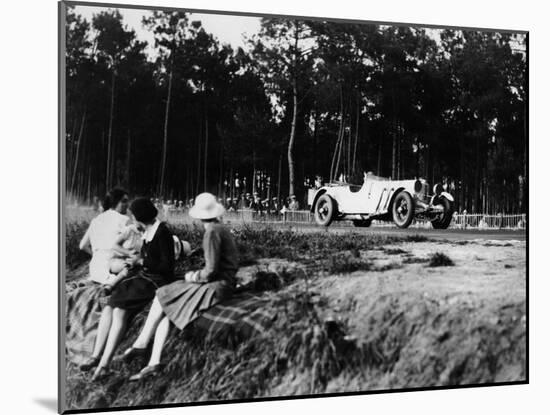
(405, 344)
(425, 342)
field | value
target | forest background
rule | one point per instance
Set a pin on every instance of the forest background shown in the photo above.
(189, 113)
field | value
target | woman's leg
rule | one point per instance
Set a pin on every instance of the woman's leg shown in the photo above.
(161, 334)
(103, 330)
(153, 318)
(118, 326)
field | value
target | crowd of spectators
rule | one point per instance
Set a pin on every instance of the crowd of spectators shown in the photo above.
(246, 201)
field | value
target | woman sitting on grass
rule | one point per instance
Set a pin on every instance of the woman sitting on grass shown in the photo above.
(182, 301)
(102, 234)
(133, 294)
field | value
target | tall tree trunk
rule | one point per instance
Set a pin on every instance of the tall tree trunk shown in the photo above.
(476, 179)
(128, 160)
(333, 170)
(254, 183)
(294, 113)
(187, 181)
(378, 164)
(394, 149)
(221, 187)
(348, 141)
(165, 138)
(357, 115)
(394, 131)
(205, 149)
(89, 192)
(315, 144)
(231, 184)
(198, 178)
(398, 167)
(339, 147)
(77, 154)
(292, 135)
(279, 177)
(110, 132)
(70, 153)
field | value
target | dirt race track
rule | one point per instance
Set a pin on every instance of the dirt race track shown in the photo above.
(447, 234)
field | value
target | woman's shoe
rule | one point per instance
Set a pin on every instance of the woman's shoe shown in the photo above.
(89, 364)
(131, 353)
(147, 372)
(101, 373)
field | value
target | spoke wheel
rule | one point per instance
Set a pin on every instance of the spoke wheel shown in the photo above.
(325, 210)
(403, 209)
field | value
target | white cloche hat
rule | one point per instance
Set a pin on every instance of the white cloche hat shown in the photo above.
(206, 207)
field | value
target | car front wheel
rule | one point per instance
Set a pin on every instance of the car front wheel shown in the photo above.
(443, 220)
(403, 209)
(325, 210)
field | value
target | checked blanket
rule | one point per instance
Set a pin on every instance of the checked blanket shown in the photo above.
(84, 305)
(243, 316)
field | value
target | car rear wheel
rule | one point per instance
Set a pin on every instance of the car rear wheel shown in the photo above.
(363, 223)
(403, 209)
(325, 210)
(443, 220)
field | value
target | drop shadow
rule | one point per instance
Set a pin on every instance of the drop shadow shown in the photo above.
(47, 403)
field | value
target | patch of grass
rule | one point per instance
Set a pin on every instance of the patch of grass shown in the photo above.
(255, 242)
(439, 259)
(416, 238)
(388, 267)
(299, 342)
(343, 264)
(74, 232)
(415, 260)
(395, 251)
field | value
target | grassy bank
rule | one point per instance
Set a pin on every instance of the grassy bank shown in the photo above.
(405, 340)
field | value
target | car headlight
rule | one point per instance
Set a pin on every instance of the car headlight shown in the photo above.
(438, 188)
(417, 186)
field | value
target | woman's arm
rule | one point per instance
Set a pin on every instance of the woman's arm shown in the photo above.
(85, 244)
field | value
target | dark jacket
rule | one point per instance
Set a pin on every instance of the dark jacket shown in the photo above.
(158, 255)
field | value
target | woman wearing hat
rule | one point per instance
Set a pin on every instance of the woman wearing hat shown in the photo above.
(155, 268)
(181, 301)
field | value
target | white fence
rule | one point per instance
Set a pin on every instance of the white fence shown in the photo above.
(469, 221)
(304, 217)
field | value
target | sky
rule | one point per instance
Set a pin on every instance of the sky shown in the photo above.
(228, 29)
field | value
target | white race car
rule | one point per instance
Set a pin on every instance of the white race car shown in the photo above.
(381, 199)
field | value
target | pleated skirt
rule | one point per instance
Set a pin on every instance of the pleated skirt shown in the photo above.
(135, 293)
(183, 302)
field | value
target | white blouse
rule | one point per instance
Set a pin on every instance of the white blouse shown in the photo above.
(103, 233)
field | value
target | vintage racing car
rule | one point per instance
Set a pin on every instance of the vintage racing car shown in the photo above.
(380, 198)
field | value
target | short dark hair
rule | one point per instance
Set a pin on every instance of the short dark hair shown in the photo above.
(144, 210)
(113, 198)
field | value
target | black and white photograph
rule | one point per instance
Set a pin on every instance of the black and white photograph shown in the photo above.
(262, 206)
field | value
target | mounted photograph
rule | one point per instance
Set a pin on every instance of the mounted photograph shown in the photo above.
(261, 206)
